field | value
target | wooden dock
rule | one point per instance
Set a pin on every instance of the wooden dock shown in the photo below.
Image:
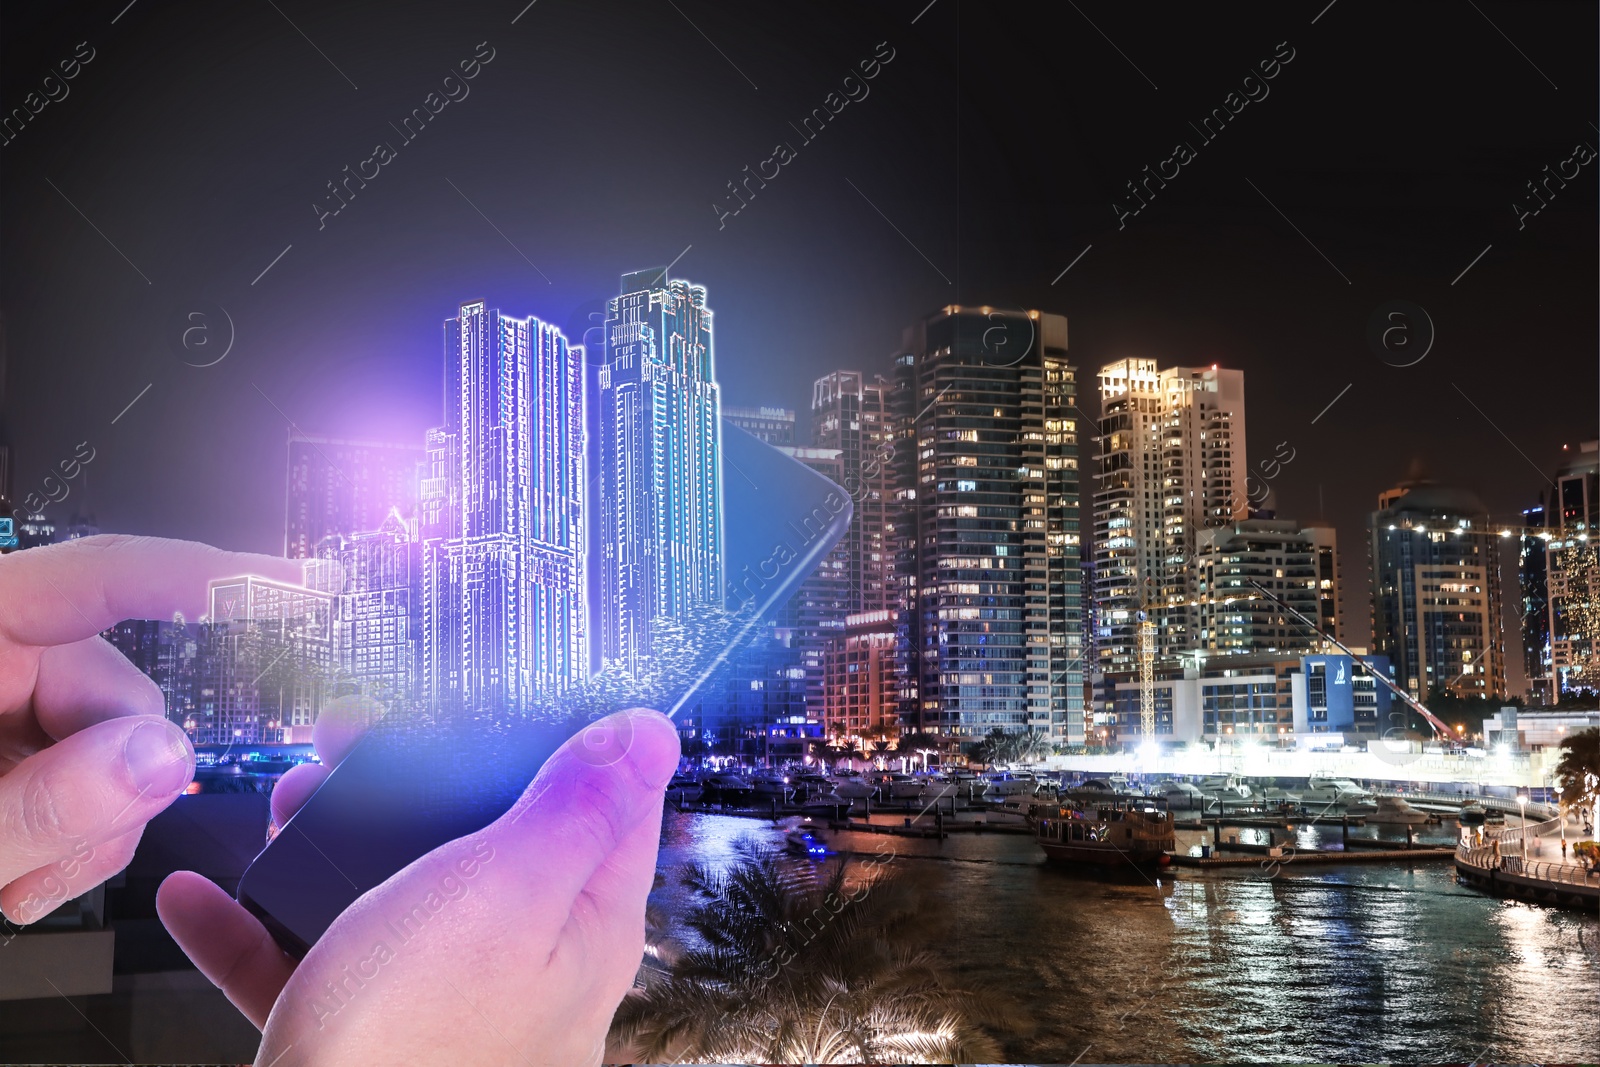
(1293, 856)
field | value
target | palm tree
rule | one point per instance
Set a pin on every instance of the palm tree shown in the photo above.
(1032, 745)
(794, 961)
(1579, 769)
(995, 748)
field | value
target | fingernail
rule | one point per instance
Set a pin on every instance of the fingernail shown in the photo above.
(159, 758)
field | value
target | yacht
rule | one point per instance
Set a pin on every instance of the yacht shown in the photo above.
(899, 787)
(851, 786)
(684, 786)
(1325, 791)
(1225, 787)
(1392, 810)
(829, 803)
(1181, 795)
(770, 785)
(1009, 784)
(725, 787)
(811, 783)
(1275, 794)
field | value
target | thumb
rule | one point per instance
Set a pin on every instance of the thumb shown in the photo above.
(601, 793)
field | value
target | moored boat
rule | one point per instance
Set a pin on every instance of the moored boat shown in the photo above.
(851, 786)
(901, 787)
(1185, 795)
(1009, 784)
(1125, 832)
(1393, 810)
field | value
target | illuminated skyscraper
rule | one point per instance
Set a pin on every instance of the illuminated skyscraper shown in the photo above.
(851, 414)
(1560, 568)
(660, 508)
(378, 624)
(1436, 591)
(502, 512)
(986, 527)
(1171, 463)
(814, 615)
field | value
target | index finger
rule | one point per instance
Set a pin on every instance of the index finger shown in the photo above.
(69, 592)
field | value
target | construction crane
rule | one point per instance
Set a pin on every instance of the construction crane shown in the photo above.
(1147, 676)
(1440, 729)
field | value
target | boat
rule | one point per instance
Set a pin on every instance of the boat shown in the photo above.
(1008, 784)
(1130, 832)
(806, 784)
(851, 786)
(1393, 810)
(829, 803)
(1273, 796)
(1181, 795)
(1323, 792)
(725, 787)
(1472, 814)
(770, 785)
(1225, 787)
(899, 787)
(683, 786)
(1022, 804)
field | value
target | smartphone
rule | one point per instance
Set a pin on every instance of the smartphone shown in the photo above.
(411, 786)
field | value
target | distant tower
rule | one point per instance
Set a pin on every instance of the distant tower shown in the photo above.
(1571, 575)
(1436, 591)
(660, 506)
(773, 425)
(986, 527)
(851, 414)
(502, 515)
(1171, 463)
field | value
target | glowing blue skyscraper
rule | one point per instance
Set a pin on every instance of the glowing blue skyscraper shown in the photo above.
(660, 508)
(502, 514)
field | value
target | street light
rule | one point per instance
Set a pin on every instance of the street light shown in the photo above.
(1522, 802)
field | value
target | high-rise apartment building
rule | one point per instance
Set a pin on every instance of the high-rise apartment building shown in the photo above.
(1570, 573)
(985, 528)
(1171, 463)
(1436, 591)
(851, 414)
(339, 488)
(860, 686)
(1232, 617)
(270, 655)
(502, 569)
(378, 623)
(660, 507)
(814, 615)
(774, 425)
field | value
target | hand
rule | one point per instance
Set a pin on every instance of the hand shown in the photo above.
(87, 756)
(536, 926)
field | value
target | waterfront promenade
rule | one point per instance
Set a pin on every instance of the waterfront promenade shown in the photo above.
(1526, 863)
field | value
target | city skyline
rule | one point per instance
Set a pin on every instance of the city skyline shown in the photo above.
(423, 604)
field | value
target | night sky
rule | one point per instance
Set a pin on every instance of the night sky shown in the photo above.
(980, 161)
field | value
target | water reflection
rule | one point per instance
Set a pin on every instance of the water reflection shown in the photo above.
(1364, 963)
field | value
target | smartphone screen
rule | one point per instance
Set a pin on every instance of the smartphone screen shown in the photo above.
(422, 779)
